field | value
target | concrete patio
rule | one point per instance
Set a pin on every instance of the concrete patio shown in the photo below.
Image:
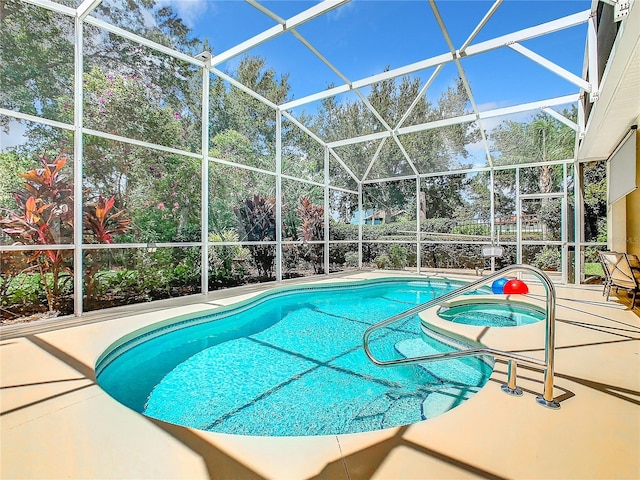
(56, 422)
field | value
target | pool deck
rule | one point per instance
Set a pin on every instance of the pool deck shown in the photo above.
(56, 422)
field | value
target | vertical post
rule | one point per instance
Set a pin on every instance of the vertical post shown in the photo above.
(578, 219)
(578, 222)
(592, 49)
(204, 183)
(360, 216)
(418, 228)
(78, 154)
(564, 257)
(511, 388)
(326, 210)
(278, 196)
(492, 214)
(518, 220)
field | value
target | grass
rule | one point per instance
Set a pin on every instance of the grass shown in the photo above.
(593, 270)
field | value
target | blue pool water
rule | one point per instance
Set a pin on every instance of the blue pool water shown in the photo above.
(493, 314)
(290, 362)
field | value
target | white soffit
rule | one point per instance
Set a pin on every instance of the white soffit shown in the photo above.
(619, 105)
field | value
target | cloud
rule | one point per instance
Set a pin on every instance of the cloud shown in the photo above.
(340, 12)
(190, 11)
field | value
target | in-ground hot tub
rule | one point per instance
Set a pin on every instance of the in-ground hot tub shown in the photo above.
(492, 313)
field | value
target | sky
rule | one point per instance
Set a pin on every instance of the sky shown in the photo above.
(365, 37)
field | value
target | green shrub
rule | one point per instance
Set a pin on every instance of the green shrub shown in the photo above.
(593, 270)
(442, 225)
(382, 261)
(226, 262)
(290, 258)
(398, 256)
(547, 259)
(351, 259)
(342, 231)
(472, 229)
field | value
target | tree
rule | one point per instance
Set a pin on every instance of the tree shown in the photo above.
(541, 139)
(36, 59)
(35, 40)
(232, 109)
(594, 187)
(230, 186)
(11, 165)
(430, 150)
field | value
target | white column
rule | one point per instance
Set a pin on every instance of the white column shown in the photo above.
(492, 213)
(592, 52)
(78, 153)
(418, 228)
(564, 257)
(326, 210)
(518, 219)
(360, 224)
(278, 196)
(204, 183)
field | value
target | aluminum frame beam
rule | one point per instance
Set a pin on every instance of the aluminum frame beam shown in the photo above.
(33, 118)
(464, 171)
(558, 116)
(295, 21)
(78, 157)
(549, 65)
(592, 58)
(464, 78)
(204, 182)
(347, 169)
(244, 88)
(53, 6)
(142, 41)
(86, 7)
(475, 49)
(529, 33)
(479, 27)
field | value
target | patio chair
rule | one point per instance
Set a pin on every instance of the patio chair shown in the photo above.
(619, 274)
(606, 283)
(489, 252)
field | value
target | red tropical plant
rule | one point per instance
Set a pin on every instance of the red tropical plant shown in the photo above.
(257, 217)
(312, 228)
(101, 223)
(45, 217)
(312, 217)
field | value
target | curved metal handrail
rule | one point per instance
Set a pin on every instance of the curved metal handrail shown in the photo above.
(549, 353)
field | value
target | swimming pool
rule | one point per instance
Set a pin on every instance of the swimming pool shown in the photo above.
(493, 314)
(290, 363)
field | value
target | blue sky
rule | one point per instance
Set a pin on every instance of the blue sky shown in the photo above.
(363, 37)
